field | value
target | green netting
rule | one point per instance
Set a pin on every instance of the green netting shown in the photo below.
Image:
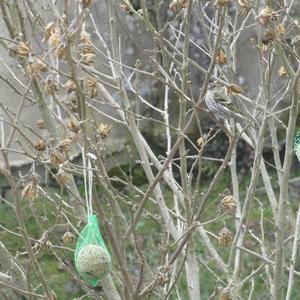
(297, 144)
(92, 259)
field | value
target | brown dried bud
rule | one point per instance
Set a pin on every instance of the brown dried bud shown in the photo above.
(54, 41)
(46, 246)
(20, 49)
(50, 87)
(65, 145)
(267, 15)
(221, 57)
(233, 89)
(225, 294)
(35, 67)
(30, 191)
(88, 58)
(72, 102)
(57, 157)
(40, 145)
(86, 3)
(62, 51)
(177, 5)
(70, 86)
(223, 2)
(104, 130)
(68, 238)
(225, 237)
(282, 71)
(74, 126)
(62, 177)
(229, 204)
(49, 30)
(92, 86)
(40, 124)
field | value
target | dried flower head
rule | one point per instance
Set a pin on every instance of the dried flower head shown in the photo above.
(282, 71)
(20, 49)
(74, 126)
(177, 5)
(104, 129)
(40, 124)
(62, 177)
(35, 67)
(49, 30)
(229, 204)
(62, 51)
(70, 86)
(72, 102)
(30, 191)
(86, 45)
(86, 3)
(68, 238)
(267, 15)
(88, 58)
(65, 145)
(225, 237)
(54, 40)
(92, 86)
(51, 86)
(225, 294)
(57, 157)
(233, 89)
(46, 245)
(223, 2)
(221, 57)
(40, 145)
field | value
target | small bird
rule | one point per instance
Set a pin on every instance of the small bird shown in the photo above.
(221, 105)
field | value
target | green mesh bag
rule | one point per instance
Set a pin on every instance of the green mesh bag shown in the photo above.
(297, 144)
(92, 259)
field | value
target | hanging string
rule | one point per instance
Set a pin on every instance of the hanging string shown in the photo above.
(85, 181)
(90, 178)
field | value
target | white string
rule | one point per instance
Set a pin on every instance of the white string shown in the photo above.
(90, 178)
(85, 182)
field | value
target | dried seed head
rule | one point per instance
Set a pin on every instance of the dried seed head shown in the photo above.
(223, 2)
(20, 49)
(92, 86)
(225, 294)
(57, 157)
(30, 191)
(72, 102)
(46, 246)
(86, 45)
(49, 30)
(86, 3)
(70, 86)
(62, 177)
(65, 145)
(177, 5)
(225, 237)
(88, 58)
(35, 67)
(245, 4)
(234, 89)
(104, 130)
(54, 40)
(68, 238)
(282, 71)
(267, 15)
(124, 6)
(74, 126)
(62, 51)
(40, 145)
(229, 204)
(51, 86)
(40, 124)
(221, 57)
